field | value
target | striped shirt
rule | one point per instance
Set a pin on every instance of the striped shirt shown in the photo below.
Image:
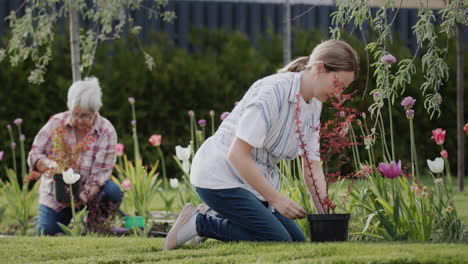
(264, 118)
(96, 162)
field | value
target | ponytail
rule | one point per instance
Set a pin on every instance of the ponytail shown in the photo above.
(296, 65)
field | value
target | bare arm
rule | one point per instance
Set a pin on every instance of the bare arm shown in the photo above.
(239, 156)
(320, 183)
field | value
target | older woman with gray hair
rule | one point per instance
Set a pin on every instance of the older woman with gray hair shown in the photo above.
(80, 139)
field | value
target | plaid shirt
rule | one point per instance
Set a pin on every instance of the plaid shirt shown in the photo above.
(96, 163)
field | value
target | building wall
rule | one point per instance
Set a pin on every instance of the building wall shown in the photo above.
(249, 16)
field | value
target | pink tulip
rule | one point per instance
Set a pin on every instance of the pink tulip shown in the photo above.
(126, 184)
(466, 128)
(439, 136)
(119, 149)
(1, 155)
(391, 170)
(444, 154)
(155, 140)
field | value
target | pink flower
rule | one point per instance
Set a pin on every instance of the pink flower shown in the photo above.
(388, 59)
(155, 140)
(119, 149)
(131, 100)
(22, 137)
(408, 102)
(391, 170)
(126, 184)
(224, 115)
(342, 114)
(466, 128)
(1, 155)
(444, 154)
(13, 145)
(8, 127)
(202, 122)
(439, 136)
(18, 121)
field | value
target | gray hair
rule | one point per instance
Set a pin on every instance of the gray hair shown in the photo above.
(86, 94)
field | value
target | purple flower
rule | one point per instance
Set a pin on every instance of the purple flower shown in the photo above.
(13, 145)
(224, 115)
(8, 127)
(408, 102)
(131, 100)
(202, 122)
(18, 121)
(376, 96)
(391, 170)
(388, 59)
(409, 113)
(363, 114)
(191, 113)
(212, 112)
(133, 122)
(342, 113)
(22, 137)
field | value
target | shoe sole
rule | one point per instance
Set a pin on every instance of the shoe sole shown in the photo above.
(171, 239)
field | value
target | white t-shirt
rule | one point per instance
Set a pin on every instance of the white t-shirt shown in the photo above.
(264, 118)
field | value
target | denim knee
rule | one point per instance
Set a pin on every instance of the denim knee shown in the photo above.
(111, 192)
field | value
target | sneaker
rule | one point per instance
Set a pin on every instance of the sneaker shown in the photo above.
(202, 209)
(171, 240)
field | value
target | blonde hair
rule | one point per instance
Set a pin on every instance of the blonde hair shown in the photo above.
(336, 55)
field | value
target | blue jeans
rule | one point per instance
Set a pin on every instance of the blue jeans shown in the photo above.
(48, 218)
(242, 217)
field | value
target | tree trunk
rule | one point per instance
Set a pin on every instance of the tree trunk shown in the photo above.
(287, 33)
(460, 109)
(74, 40)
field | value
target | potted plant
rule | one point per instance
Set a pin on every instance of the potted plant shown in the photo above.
(326, 225)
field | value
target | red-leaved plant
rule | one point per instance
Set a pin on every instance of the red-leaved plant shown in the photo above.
(334, 139)
(65, 155)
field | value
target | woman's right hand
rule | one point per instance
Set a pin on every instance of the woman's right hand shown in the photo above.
(46, 164)
(288, 208)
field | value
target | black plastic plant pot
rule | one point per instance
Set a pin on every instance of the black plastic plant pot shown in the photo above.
(62, 192)
(328, 227)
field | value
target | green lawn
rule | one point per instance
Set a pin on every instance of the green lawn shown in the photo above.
(141, 250)
(93, 249)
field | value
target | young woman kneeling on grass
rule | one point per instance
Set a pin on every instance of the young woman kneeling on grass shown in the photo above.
(234, 172)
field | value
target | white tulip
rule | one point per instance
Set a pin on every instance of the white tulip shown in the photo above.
(174, 183)
(69, 177)
(436, 166)
(183, 154)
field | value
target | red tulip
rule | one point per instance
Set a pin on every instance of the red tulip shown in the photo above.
(155, 140)
(439, 136)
